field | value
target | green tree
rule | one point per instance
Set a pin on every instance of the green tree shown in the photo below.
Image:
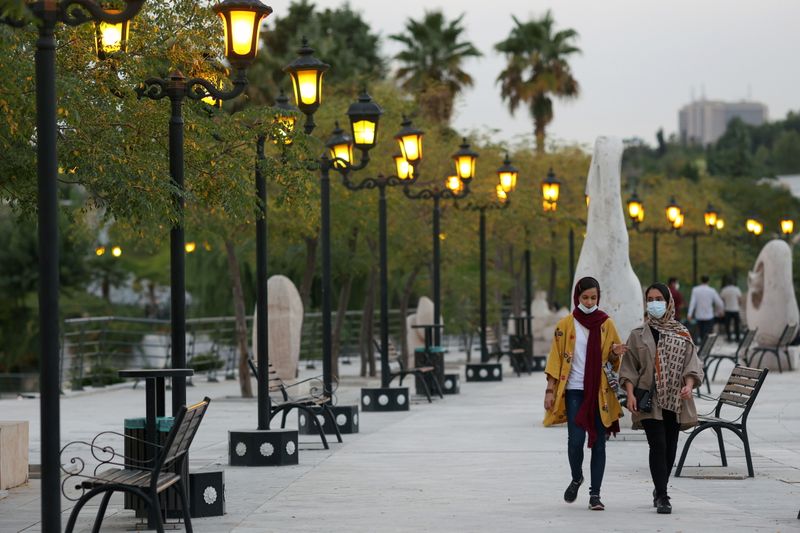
(431, 63)
(786, 153)
(537, 70)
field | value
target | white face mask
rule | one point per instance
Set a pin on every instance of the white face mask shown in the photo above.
(656, 308)
(587, 310)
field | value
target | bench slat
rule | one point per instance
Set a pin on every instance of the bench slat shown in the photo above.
(734, 399)
(747, 382)
(747, 372)
(744, 391)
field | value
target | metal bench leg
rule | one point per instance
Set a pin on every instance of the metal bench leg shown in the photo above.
(101, 511)
(685, 450)
(155, 512)
(326, 411)
(437, 386)
(722, 455)
(747, 456)
(425, 388)
(321, 432)
(187, 520)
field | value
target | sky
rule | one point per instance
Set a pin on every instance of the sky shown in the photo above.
(641, 59)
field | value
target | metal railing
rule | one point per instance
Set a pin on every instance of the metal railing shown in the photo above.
(93, 349)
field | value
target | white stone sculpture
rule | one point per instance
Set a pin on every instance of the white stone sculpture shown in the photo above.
(604, 254)
(424, 315)
(771, 301)
(284, 325)
(544, 320)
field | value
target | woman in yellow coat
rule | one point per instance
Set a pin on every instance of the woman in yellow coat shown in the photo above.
(578, 391)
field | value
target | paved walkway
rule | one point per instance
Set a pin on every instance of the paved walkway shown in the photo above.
(477, 462)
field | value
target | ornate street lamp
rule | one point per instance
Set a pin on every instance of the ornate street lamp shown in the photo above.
(507, 174)
(364, 116)
(48, 14)
(635, 210)
(241, 21)
(551, 189)
(454, 184)
(410, 140)
(677, 223)
(672, 210)
(710, 217)
(111, 37)
(306, 73)
(787, 226)
(465, 160)
(285, 120)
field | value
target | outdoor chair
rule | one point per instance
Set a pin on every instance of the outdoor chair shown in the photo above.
(516, 356)
(317, 398)
(401, 371)
(782, 346)
(143, 481)
(740, 355)
(740, 393)
(703, 354)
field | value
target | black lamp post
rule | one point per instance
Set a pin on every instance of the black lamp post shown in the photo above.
(364, 117)
(242, 22)
(674, 217)
(49, 13)
(500, 201)
(456, 187)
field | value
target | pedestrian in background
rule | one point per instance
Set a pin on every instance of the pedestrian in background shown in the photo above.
(677, 297)
(732, 298)
(704, 306)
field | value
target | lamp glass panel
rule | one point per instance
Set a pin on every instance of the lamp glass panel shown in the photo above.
(508, 181)
(502, 194)
(465, 167)
(411, 146)
(364, 132)
(711, 218)
(634, 208)
(454, 183)
(550, 192)
(672, 212)
(190, 247)
(404, 169)
(640, 217)
(343, 155)
(111, 37)
(306, 84)
(116, 251)
(242, 23)
(787, 226)
(678, 222)
(720, 223)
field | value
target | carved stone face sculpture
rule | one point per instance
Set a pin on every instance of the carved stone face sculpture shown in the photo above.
(771, 301)
(604, 254)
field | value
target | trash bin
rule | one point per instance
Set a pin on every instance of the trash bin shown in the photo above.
(136, 454)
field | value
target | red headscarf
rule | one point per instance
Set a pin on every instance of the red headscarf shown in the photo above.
(594, 361)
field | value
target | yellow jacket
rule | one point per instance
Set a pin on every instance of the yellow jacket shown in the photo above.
(559, 363)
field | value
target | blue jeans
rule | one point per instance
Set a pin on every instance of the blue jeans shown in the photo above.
(576, 437)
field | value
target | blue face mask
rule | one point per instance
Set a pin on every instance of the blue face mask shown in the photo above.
(656, 308)
(587, 310)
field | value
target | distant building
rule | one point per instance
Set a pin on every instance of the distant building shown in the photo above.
(704, 121)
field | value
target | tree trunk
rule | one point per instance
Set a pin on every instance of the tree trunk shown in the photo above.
(367, 319)
(341, 310)
(234, 272)
(308, 274)
(404, 299)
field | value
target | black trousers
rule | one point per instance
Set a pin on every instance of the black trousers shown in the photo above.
(732, 316)
(662, 436)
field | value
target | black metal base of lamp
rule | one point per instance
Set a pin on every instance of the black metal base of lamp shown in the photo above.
(385, 399)
(451, 384)
(262, 447)
(484, 372)
(346, 417)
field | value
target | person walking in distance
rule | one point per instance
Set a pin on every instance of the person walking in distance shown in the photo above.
(578, 391)
(677, 297)
(731, 296)
(704, 305)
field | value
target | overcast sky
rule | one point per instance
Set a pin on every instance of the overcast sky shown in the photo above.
(641, 60)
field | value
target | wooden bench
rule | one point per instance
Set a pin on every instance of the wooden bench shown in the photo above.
(516, 356)
(740, 355)
(782, 347)
(426, 375)
(145, 482)
(740, 393)
(317, 398)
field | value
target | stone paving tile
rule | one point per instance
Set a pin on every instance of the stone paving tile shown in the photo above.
(476, 462)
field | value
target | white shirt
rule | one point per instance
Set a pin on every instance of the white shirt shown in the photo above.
(704, 300)
(731, 294)
(575, 379)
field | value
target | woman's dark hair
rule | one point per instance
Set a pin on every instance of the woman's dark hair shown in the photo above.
(660, 287)
(584, 284)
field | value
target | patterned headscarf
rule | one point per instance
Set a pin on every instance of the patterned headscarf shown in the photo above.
(670, 351)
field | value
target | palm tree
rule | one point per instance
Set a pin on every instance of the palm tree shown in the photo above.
(537, 69)
(430, 64)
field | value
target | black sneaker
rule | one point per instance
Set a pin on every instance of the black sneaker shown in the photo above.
(595, 504)
(572, 491)
(664, 507)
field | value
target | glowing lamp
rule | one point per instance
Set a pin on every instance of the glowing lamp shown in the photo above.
(465, 160)
(507, 174)
(404, 169)
(306, 72)
(364, 115)
(410, 140)
(551, 188)
(111, 38)
(340, 147)
(241, 20)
